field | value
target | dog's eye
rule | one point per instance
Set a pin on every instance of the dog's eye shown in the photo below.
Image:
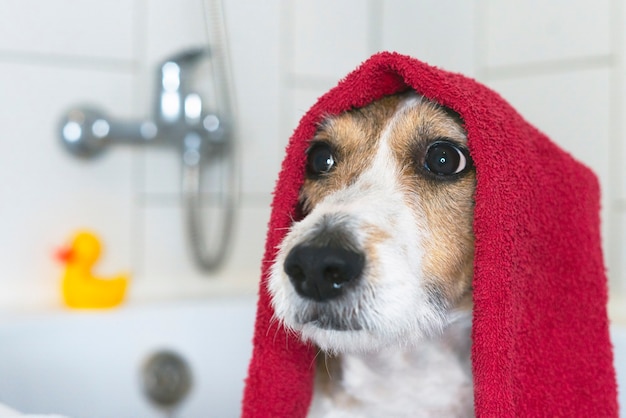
(320, 159)
(444, 158)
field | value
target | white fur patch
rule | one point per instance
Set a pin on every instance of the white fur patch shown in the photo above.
(430, 380)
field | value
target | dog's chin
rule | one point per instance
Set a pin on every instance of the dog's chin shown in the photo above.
(344, 342)
(361, 341)
(339, 334)
(341, 342)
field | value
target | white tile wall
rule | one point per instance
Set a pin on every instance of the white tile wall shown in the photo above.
(562, 70)
(619, 267)
(88, 28)
(329, 37)
(255, 35)
(440, 33)
(171, 27)
(534, 31)
(48, 194)
(172, 262)
(620, 111)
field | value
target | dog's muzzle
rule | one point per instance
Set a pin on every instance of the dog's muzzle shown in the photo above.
(323, 272)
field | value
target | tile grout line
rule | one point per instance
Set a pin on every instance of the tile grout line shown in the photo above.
(480, 40)
(293, 80)
(104, 64)
(375, 12)
(530, 69)
(616, 129)
(170, 200)
(138, 172)
(286, 69)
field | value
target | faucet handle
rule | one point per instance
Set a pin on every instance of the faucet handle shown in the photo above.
(85, 131)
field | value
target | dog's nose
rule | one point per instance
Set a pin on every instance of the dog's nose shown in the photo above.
(322, 273)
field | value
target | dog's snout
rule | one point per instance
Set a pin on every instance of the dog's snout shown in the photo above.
(322, 273)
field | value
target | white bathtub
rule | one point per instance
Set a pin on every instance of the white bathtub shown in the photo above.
(87, 365)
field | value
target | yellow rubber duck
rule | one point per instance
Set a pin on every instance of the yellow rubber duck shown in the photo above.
(80, 288)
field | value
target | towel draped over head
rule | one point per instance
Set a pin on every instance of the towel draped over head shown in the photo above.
(540, 339)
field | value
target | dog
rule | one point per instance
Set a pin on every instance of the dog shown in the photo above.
(378, 272)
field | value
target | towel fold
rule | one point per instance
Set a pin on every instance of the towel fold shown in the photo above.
(540, 331)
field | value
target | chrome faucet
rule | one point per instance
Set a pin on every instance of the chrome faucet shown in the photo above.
(197, 119)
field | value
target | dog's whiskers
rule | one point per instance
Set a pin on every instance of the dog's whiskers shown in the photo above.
(317, 354)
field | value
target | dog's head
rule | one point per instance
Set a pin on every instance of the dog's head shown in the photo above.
(384, 253)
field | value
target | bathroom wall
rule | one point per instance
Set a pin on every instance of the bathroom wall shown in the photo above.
(563, 68)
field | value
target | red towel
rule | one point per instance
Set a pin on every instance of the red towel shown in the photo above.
(540, 332)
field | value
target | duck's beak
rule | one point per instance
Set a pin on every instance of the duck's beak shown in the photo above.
(64, 254)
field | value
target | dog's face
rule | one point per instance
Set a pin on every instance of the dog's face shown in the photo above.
(384, 254)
